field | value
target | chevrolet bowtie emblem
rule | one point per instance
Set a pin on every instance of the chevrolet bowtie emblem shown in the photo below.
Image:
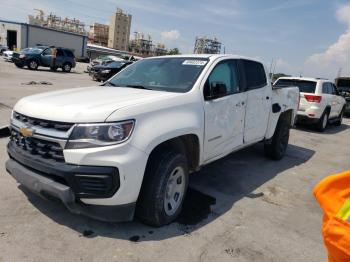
(26, 132)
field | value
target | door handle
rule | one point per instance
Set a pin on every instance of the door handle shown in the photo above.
(238, 105)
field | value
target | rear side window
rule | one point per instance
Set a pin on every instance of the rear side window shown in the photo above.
(59, 52)
(304, 85)
(69, 53)
(254, 73)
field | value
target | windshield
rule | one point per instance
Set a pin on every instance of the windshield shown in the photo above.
(304, 85)
(165, 74)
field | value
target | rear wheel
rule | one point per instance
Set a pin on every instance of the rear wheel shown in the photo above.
(277, 146)
(164, 188)
(33, 65)
(67, 67)
(323, 122)
(340, 118)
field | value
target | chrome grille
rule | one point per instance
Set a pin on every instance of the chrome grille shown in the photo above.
(35, 146)
(59, 126)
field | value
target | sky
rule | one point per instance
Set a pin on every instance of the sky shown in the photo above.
(303, 37)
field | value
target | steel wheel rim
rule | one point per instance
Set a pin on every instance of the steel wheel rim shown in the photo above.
(66, 67)
(325, 120)
(33, 64)
(174, 191)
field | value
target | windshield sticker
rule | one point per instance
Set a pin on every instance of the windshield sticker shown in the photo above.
(195, 62)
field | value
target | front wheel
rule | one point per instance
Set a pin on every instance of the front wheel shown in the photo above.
(33, 65)
(164, 188)
(277, 146)
(19, 65)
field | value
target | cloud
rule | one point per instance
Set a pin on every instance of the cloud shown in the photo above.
(336, 56)
(171, 35)
(343, 14)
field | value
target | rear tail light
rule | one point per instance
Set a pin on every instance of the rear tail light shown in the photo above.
(313, 98)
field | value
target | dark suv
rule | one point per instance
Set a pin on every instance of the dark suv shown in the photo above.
(43, 56)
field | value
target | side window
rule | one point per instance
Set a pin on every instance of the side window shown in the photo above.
(334, 88)
(59, 52)
(255, 75)
(326, 89)
(69, 53)
(47, 51)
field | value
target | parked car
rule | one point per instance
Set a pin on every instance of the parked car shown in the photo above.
(129, 145)
(8, 55)
(107, 70)
(43, 56)
(343, 85)
(320, 101)
(3, 48)
(101, 60)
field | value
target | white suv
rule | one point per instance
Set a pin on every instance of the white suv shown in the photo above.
(320, 102)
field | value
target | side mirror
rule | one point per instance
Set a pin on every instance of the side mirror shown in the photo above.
(216, 90)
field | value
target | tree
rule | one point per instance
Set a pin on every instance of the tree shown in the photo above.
(174, 51)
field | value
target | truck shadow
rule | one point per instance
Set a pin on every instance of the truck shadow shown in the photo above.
(213, 191)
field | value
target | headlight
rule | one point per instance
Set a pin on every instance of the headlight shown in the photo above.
(97, 135)
(105, 71)
(22, 56)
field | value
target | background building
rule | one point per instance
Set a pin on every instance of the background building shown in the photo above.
(119, 30)
(204, 45)
(21, 35)
(56, 22)
(98, 34)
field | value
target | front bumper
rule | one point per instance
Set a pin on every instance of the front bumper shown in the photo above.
(85, 181)
(48, 188)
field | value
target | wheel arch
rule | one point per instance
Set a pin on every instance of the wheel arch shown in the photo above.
(187, 144)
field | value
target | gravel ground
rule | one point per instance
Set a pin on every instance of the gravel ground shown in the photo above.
(242, 208)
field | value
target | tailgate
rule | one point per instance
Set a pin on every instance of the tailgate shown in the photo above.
(304, 104)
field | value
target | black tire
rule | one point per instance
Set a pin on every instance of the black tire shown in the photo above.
(340, 118)
(19, 65)
(277, 146)
(33, 65)
(67, 67)
(323, 122)
(150, 207)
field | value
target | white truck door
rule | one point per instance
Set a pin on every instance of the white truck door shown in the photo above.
(258, 101)
(224, 115)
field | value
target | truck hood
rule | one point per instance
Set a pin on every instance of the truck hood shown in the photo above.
(83, 105)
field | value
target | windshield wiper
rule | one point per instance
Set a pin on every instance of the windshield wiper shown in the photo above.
(138, 86)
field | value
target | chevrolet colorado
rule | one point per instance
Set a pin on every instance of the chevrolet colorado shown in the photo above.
(129, 145)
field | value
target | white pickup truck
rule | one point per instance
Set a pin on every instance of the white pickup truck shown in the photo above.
(129, 145)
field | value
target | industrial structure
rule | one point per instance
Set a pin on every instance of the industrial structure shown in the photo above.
(119, 30)
(204, 45)
(22, 35)
(56, 22)
(98, 34)
(143, 45)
